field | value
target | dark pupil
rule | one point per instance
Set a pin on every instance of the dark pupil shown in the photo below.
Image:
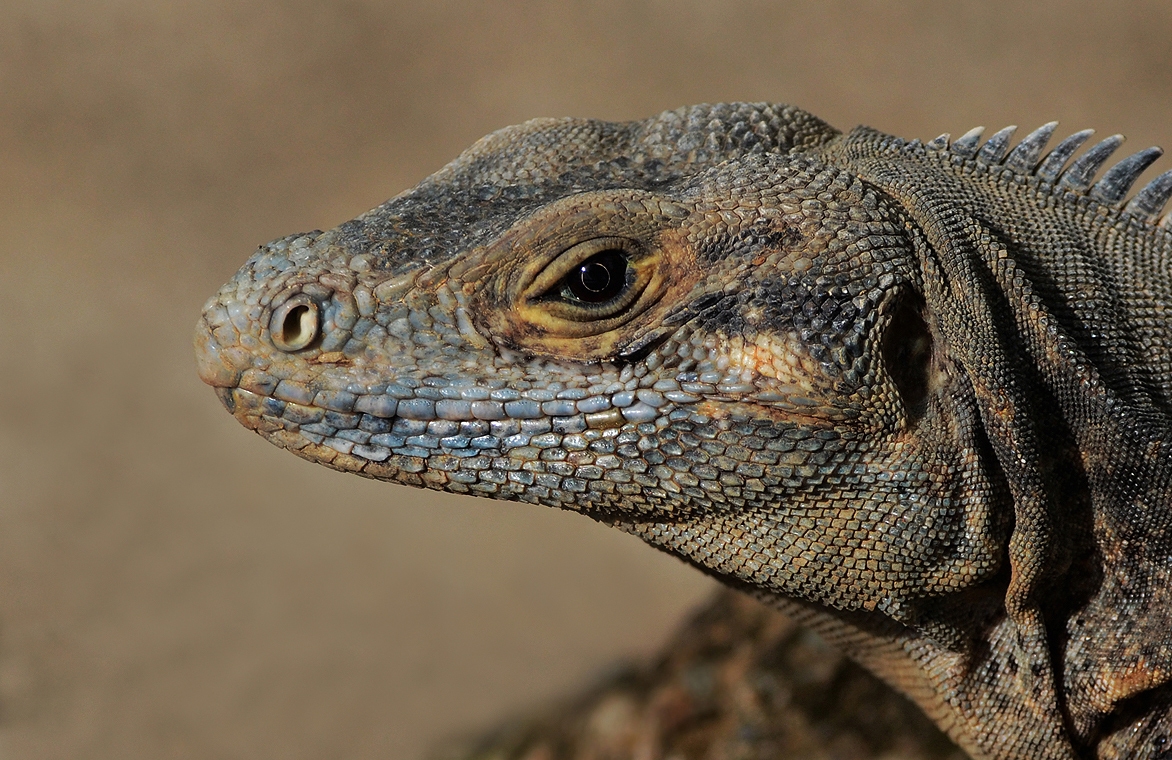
(599, 278)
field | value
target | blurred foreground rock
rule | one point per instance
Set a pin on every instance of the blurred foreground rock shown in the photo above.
(739, 681)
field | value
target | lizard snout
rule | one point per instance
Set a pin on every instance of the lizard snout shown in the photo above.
(214, 364)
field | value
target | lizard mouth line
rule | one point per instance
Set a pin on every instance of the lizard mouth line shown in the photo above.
(430, 427)
(378, 438)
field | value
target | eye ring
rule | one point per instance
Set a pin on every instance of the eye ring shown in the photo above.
(596, 280)
(295, 324)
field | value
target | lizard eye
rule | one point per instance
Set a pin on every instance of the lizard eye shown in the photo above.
(593, 280)
(598, 279)
(578, 278)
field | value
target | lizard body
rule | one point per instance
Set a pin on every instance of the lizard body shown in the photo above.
(914, 395)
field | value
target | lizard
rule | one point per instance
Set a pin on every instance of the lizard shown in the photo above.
(914, 394)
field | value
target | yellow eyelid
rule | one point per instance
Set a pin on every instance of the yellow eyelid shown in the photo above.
(553, 273)
(520, 301)
(558, 316)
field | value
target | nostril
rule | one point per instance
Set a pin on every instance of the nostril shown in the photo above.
(298, 326)
(295, 324)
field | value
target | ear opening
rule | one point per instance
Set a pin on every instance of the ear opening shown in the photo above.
(907, 354)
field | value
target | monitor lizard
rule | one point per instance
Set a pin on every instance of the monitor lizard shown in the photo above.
(916, 395)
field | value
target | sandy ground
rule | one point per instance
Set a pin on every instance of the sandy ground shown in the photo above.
(173, 587)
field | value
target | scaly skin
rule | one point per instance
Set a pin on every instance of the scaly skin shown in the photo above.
(915, 396)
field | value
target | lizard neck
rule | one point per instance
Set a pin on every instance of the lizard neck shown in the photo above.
(1064, 348)
(960, 685)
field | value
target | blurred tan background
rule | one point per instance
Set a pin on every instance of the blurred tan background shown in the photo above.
(173, 587)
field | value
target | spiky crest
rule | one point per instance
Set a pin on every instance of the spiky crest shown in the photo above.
(1079, 176)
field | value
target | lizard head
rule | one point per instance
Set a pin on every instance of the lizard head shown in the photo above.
(690, 327)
